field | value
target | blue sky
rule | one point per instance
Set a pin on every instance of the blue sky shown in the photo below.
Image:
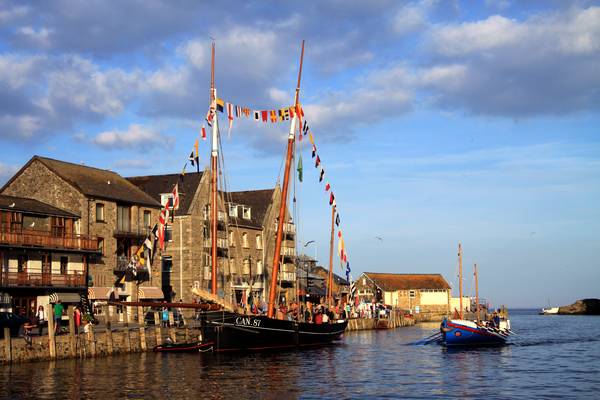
(436, 121)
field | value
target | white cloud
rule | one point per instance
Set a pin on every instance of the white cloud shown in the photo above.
(39, 37)
(136, 136)
(408, 19)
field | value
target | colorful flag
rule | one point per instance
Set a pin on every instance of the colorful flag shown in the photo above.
(300, 115)
(341, 250)
(273, 115)
(257, 115)
(348, 271)
(203, 132)
(337, 219)
(265, 115)
(321, 175)
(300, 168)
(238, 111)
(305, 128)
(317, 161)
(175, 194)
(182, 174)
(311, 139)
(209, 115)
(327, 187)
(230, 118)
(331, 198)
(220, 105)
(314, 150)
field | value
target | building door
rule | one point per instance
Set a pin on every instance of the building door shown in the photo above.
(46, 269)
(167, 268)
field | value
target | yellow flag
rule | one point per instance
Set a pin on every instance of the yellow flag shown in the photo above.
(310, 137)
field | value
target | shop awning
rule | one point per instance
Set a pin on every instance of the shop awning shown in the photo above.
(150, 292)
(98, 293)
(65, 297)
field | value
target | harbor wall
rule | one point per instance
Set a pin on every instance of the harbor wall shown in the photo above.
(396, 319)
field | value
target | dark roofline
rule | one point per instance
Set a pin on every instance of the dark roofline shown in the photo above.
(150, 203)
(51, 210)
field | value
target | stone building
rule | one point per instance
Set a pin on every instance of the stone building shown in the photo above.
(245, 241)
(417, 293)
(42, 258)
(108, 207)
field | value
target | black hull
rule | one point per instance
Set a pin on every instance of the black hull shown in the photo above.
(237, 332)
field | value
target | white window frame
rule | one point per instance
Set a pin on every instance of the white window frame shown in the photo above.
(233, 210)
(246, 212)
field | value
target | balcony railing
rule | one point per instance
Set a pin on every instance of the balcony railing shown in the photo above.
(34, 238)
(76, 279)
(221, 243)
(287, 227)
(288, 251)
(131, 232)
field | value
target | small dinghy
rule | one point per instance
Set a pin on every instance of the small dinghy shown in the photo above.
(187, 347)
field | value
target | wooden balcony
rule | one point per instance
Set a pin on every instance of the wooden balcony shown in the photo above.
(27, 279)
(45, 239)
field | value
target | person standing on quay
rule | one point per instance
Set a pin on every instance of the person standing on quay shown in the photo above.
(58, 312)
(77, 318)
(40, 315)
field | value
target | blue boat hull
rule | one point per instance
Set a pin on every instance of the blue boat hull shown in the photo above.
(457, 334)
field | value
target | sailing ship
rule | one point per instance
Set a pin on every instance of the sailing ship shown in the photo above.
(229, 330)
(463, 332)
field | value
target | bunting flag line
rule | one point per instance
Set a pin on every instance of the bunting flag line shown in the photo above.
(311, 139)
(220, 105)
(331, 198)
(337, 219)
(321, 175)
(341, 249)
(203, 132)
(317, 161)
(305, 128)
(348, 270)
(273, 116)
(314, 151)
(327, 187)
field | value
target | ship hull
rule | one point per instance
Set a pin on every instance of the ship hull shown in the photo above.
(467, 333)
(237, 332)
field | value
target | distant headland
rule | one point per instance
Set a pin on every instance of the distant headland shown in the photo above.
(581, 307)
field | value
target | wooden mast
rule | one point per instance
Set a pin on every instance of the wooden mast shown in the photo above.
(476, 291)
(284, 195)
(460, 279)
(330, 275)
(214, 174)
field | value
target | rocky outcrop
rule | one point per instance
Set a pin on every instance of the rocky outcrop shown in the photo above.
(582, 307)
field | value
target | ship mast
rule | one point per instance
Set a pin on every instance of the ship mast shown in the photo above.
(330, 275)
(284, 195)
(460, 279)
(476, 291)
(214, 174)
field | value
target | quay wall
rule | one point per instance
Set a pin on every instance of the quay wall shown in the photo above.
(103, 340)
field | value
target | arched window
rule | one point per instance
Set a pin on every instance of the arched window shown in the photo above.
(259, 242)
(245, 240)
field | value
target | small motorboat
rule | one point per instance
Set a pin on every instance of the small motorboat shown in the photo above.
(549, 311)
(185, 347)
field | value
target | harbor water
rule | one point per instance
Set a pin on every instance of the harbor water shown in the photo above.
(551, 357)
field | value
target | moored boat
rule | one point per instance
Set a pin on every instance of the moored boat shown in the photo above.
(549, 311)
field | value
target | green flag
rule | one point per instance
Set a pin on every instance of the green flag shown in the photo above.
(299, 169)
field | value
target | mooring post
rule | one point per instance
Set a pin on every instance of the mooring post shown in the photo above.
(172, 333)
(51, 338)
(7, 345)
(142, 328)
(72, 343)
(126, 312)
(158, 331)
(109, 338)
(92, 340)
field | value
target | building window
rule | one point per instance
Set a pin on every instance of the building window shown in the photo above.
(233, 211)
(166, 199)
(259, 242)
(246, 267)
(169, 233)
(123, 218)
(101, 245)
(99, 212)
(64, 261)
(231, 239)
(16, 222)
(245, 240)
(246, 212)
(412, 294)
(259, 267)
(147, 219)
(22, 263)
(58, 226)
(167, 264)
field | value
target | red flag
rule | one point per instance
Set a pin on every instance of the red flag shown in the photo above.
(203, 135)
(264, 115)
(317, 162)
(327, 187)
(331, 198)
(175, 193)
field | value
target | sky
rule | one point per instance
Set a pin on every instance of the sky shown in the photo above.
(436, 122)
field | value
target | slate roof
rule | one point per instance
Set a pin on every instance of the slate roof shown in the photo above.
(336, 278)
(31, 206)
(258, 201)
(155, 185)
(392, 282)
(94, 182)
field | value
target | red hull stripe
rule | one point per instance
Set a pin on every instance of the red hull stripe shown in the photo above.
(466, 328)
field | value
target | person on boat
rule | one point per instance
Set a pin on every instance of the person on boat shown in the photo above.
(165, 317)
(325, 318)
(318, 317)
(496, 320)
